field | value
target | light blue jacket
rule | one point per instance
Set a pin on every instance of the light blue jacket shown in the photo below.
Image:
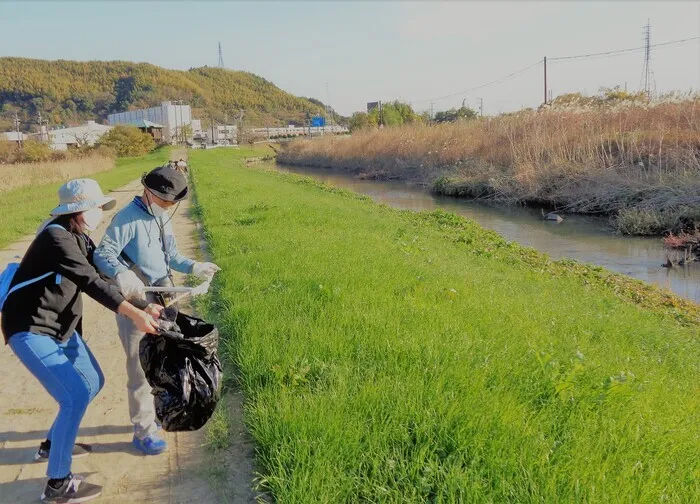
(135, 231)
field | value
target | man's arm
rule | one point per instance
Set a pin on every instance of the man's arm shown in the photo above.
(106, 256)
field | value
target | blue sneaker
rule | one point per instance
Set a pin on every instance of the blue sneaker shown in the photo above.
(150, 445)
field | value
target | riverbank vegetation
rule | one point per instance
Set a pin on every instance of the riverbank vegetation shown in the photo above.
(19, 175)
(395, 356)
(638, 163)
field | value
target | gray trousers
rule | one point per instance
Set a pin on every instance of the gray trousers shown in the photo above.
(141, 409)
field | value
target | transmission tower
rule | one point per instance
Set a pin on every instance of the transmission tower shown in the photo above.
(221, 57)
(646, 69)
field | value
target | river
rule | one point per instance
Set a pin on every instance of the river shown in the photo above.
(583, 238)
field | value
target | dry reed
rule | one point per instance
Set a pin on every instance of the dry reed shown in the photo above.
(14, 176)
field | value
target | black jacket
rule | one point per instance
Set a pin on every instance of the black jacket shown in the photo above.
(53, 306)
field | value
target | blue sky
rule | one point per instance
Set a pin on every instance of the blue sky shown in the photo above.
(352, 52)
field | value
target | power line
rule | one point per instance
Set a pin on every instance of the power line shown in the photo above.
(501, 79)
(622, 50)
(646, 70)
(646, 47)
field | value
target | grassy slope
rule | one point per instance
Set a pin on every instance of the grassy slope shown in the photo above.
(22, 210)
(395, 357)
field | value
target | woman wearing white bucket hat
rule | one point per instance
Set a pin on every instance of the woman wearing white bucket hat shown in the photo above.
(42, 323)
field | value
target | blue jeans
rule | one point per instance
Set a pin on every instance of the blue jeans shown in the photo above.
(70, 374)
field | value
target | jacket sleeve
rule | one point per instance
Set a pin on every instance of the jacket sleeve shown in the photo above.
(106, 256)
(178, 262)
(72, 264)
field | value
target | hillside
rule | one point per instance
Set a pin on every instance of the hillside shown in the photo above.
(68, 92)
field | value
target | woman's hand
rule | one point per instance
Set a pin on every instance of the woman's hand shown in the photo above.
(145, 322)
(154, 310)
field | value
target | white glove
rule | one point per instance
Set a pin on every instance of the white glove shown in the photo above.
(130, 285)
(205, 269)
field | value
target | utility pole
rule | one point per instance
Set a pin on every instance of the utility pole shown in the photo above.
(646, 70)
(211, 118)
(179, 108)
(545, 80)
(329, 109)
(481, 107)
(19, 134)
(431, 110)
(43, 123)
(241, 122)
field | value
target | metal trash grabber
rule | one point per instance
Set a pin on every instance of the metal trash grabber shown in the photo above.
(202, 288)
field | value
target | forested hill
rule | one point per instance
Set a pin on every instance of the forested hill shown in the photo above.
(67, 92)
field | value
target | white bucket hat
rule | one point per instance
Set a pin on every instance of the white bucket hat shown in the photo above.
(80, 195)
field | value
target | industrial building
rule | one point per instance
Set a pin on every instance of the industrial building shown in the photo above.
(172, 116)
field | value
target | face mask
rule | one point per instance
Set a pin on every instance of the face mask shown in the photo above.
(92, 218)
(156, 210)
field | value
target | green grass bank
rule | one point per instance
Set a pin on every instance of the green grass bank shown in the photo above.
(389, 356)
(23, 209)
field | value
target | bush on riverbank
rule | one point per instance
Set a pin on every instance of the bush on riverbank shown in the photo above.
(639, 164)
(389, 356)
(127, 141)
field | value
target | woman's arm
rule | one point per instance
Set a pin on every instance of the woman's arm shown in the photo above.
(72, 263)
(144, 321)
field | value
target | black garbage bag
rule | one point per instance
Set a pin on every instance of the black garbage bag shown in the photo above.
(182, 366)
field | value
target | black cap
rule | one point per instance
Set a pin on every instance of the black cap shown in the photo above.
(166, 183)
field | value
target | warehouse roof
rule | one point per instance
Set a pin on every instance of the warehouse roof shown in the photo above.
(143, 123)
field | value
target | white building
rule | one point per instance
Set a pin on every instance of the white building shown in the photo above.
(76, 136)
(173, 117)
(13, 136)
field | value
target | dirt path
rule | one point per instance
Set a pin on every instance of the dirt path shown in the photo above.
(26, 412)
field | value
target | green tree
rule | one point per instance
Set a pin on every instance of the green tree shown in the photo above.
(391, 116)
(363, 120)
(453, 115)
(127, 141)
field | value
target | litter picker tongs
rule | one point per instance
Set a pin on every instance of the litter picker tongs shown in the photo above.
(183, 292)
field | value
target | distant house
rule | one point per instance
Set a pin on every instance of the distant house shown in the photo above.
(13, 136)
(153, 129)
(76, 136)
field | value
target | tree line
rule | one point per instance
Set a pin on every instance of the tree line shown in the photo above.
(396, 113)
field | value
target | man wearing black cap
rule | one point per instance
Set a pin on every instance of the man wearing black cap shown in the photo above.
(139, 249)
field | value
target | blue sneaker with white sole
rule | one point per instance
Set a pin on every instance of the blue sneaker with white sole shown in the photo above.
(150, 445)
